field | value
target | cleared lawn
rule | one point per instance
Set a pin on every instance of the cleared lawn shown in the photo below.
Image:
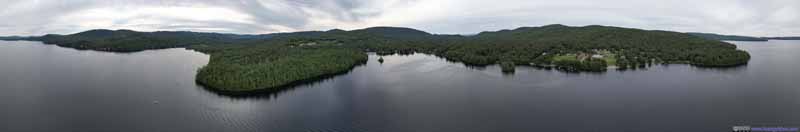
(567, 57)
(611, 59)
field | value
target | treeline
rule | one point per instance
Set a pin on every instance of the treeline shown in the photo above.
(13, 38)
(258, 62)
(783, 38)
(728, 37)
(132, 41)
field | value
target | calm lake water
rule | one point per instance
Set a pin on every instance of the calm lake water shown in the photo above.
(49, 88)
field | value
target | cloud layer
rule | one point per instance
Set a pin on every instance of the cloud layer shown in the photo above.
(742, 17)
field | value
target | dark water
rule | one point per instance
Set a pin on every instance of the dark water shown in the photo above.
(48, 88)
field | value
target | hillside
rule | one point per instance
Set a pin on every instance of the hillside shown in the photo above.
(246, 63)
(728, 37)
(783, 38)
(12, 38)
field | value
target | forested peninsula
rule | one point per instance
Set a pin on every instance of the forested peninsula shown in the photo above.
(248, 63)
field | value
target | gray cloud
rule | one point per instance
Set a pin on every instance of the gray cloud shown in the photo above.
(743, 17)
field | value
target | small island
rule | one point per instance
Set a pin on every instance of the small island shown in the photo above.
(268, 62)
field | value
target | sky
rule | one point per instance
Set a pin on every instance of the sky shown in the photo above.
(739, 17)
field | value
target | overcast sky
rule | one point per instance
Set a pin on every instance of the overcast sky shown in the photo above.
(742, 17)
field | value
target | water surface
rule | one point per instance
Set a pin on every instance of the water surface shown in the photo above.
(49, 88)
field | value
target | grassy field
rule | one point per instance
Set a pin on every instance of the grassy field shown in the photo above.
(610, 58)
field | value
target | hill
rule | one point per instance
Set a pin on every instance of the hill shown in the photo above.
(132, 41)
(12, 38)
(728, 37)
(783, 38)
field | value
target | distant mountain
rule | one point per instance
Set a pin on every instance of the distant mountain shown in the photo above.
(131, 41)
(783, 38)
(727, 37)
(392, 32)
(12, 38)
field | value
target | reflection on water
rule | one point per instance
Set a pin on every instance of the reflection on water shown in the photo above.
(48, 88)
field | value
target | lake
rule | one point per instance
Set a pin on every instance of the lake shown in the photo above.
(50, 88)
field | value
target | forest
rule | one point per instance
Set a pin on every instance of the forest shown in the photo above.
(243, 63)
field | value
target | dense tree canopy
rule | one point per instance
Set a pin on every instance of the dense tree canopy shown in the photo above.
(275, 66)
